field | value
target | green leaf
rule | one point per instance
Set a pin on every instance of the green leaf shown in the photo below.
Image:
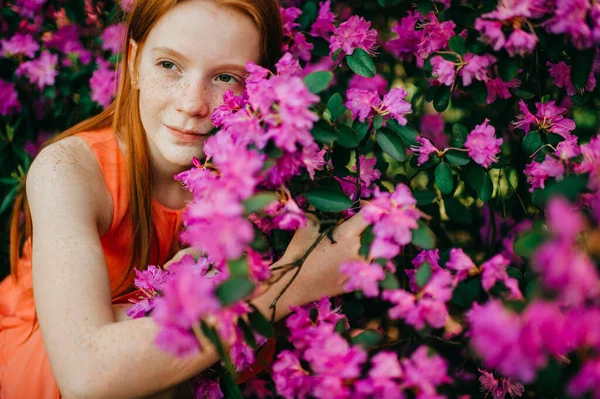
(9, 199)
(260, 323)
(309, 15)
(423, 237)
(570, 187)
(336, 106)
(550, 379)
(233, 290)
(457, 44)
(457, 212)
(316, 82)
(532, 142)
(424, 197)
(229, 387)
(258, 201)
(328, 200)
(360, 62)
(479, 91)
(347, 137)
(361, 128)
(554, 139)
(366, 238)
(459, 135)
(238, 267)
(443, 178)
(367, 339)
(423, 274)
(323, 132)
(480, 181)
(581, 67)
(391, 144)
(390, 282)
(460, 158)
(336, 55)
(524, 94)
(527, 243)
(352, 309)
(441, 98)
(466, 292)
(320, 46)
(407, 133)
(377, 122)
(248, 333)
(507, 68)
(461, 15)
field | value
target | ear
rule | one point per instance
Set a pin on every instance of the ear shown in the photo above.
(131, 56)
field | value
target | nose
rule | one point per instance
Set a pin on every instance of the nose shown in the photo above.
(194, 98)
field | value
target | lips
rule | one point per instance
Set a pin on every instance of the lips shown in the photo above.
(186, 136)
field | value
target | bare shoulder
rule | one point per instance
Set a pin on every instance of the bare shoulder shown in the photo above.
(66, 176)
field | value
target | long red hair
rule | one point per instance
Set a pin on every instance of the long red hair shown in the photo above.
(124, 117)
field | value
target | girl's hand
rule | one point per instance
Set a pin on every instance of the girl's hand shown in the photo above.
(177, 257)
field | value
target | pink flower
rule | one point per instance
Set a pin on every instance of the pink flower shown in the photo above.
(563, 221)
(432, 127)
(570, 19)
(288, 65)
(561, 74)
(9, 100)
(443, 70)
(376, 83)
(362, 276)
(424, 150)
(66, 40)
(207, 388)
(537, 173)
(494, 270)
(150, 279)
(586, 380)
(497, 88)
(404, 44)
(103, 84)
(498, 388)
(256, 387)
(41, 71)
(28, 8)
(460, 262)
(548, 119)
(520, 42)
(19, 44)
(365, 104)
(291, 380)
(393, 215)
(290, 216)
(324, 26)
(424, 371)
(393, 104)
(356, 32)
(435, 36)
(259, 266)
(483, 146)
(313, 159)
(288, 16)
(361, 103)
(113, 38)
(477, 67)
(492, 32)
(301, 48)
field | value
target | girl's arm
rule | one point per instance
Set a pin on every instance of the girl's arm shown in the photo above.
(92, 355)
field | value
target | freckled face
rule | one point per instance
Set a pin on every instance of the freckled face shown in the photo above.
(194, 53)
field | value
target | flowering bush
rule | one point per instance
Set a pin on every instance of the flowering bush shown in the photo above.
(471, 130)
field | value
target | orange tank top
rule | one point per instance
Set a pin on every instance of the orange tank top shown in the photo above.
(24, 368)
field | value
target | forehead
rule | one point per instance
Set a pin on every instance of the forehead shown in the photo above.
(205, 31)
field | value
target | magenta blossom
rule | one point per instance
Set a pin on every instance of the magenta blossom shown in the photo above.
(494, 270)
(324, 26)
(356, 32)
(548, 119)
(570, 19)
(362, 276)
(366, 104)
(103, 84)
(538, 172)
(291, 380)
(435, 36)
(432, 127)
(460, 262)
(405, 43)
(477, 67)
(483, 146)
(498, 388)
(113, 37)
(561, 74)
(424, 150)
(425, 371)
(443, 70)
(376, 83)
(9, 100)
(19, 44)
(497, 88)
(41, 71)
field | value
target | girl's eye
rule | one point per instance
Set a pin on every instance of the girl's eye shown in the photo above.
(225, 78)
(167, 64)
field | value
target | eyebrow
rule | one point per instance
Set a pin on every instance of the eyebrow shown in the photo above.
(240, 68)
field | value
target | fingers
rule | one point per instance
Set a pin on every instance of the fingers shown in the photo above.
(186, 251)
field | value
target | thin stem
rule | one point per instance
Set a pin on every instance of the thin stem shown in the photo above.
(358, 186)
(515, 191)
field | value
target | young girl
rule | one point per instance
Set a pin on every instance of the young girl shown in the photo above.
(101, 200)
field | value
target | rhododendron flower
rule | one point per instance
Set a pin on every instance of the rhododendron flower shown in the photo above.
(549, 119)
(9, 99)
(300, 47)
(494, 270)
(291, 380)
(443, 70)
(289, 216)
(19, 44)
(66, 40)
(570, 19)
(432, 257)
(362, 276)
(103, 84)
(498, 388)
(113, 37)
(28, 8)
(257, 387)
(424, 150)
(365, 104)
(561, 74)
(497, 88)
(460, 262)
(324, 26)
(393, 216)
(477, 67)
(425, 371)
(41, 71)
(432, 127)
(521, 43)
(377, 83)
(435, 36)
(563, 221)
(586, 380)
(537, 172)
(568, 148)
(207, 388)
(356, 32)
(300, 323)
(404, 45)
(368, 175)
(483, 146)
(288, 65)
(313, 159)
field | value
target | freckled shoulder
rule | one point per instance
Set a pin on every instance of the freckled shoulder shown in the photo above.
(68, 171)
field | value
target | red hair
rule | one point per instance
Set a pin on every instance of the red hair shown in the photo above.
(124, 117)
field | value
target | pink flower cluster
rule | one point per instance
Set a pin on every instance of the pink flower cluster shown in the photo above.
(365, 104)
(355, 33)
(299, 47)
(548, 119)
(482, 144)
